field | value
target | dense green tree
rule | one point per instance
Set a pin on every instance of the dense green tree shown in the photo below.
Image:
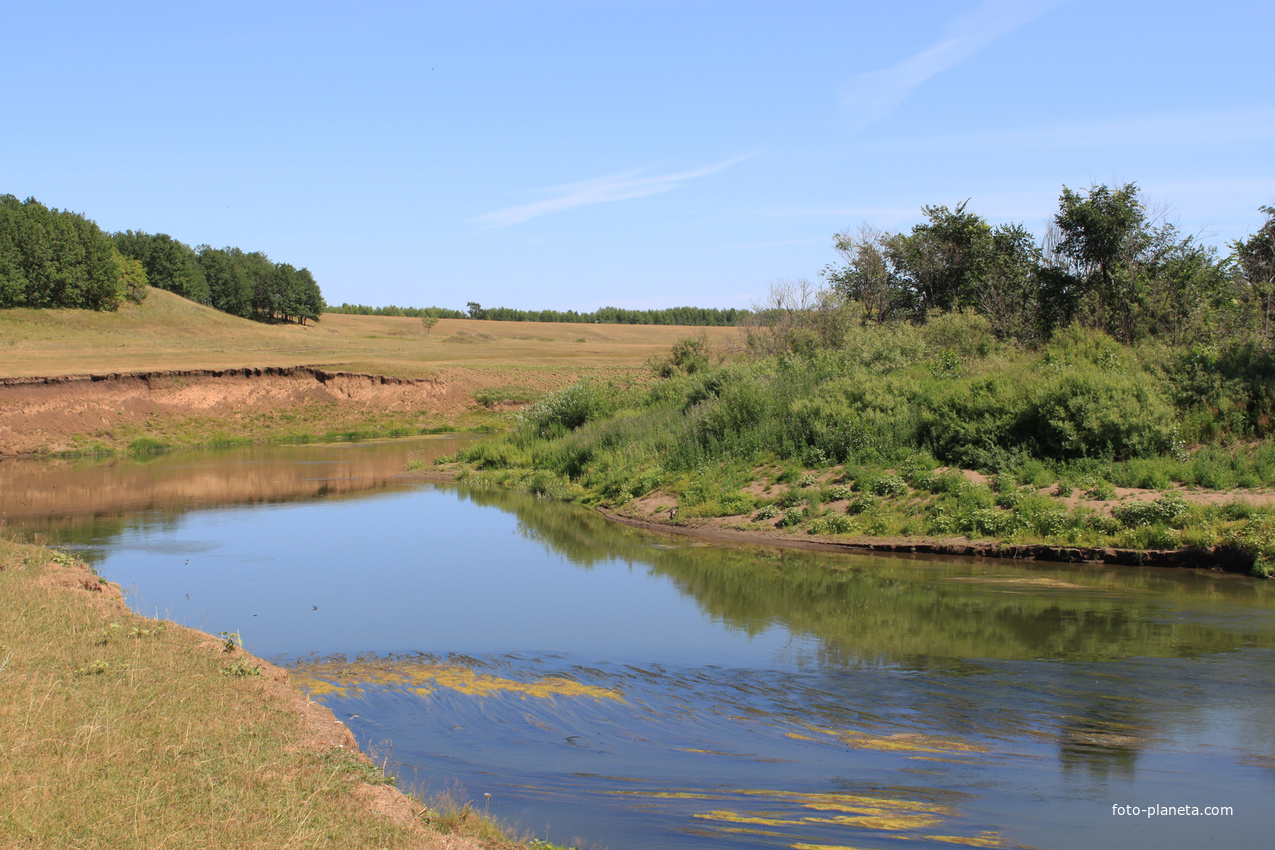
(1009, 292)
(1118, 271)
(1101, 235)
(955, 260)
(169, 264)
(132, 276)
(52, 258)
(1256, 259)
(229, 285)
(55, 258)
(944, 259)
(309, 299)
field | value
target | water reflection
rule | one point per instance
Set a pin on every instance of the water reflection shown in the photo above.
(644, 691)
(924, 612)
(51, 494)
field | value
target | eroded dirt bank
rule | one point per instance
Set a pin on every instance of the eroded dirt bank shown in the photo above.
(72, 411)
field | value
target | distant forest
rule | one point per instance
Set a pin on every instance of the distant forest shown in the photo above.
(693, 316)
(54, 258)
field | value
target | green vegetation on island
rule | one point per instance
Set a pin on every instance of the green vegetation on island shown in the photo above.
(1126, 356)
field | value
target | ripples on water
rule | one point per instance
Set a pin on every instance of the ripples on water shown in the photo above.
(638, 692)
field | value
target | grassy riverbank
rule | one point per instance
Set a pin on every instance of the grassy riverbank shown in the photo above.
(926, 432)
(121, 731)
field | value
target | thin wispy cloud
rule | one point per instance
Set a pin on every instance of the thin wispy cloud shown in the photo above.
(869, 97)
(601, 190)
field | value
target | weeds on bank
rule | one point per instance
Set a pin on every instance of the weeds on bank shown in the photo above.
(454, 813)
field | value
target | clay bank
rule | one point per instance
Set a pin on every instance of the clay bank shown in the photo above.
(74, 412)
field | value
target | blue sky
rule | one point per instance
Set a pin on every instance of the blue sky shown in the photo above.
(573, 155)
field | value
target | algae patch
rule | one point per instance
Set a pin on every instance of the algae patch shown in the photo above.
(345, 679)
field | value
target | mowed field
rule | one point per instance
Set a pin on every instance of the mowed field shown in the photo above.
(167, 332)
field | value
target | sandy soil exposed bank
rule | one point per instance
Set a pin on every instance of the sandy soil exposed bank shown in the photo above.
(50, 414)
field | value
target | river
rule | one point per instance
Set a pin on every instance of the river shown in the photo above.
(599, 685)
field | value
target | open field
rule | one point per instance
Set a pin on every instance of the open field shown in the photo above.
(461, 375)
(167, 333)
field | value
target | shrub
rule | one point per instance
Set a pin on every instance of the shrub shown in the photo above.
(1166, 510)
(792, 498)
(837, 493)
(835, 524)
(1103, 490)
(861, 503)
(791, 517)
(565, 410)
(890, 485)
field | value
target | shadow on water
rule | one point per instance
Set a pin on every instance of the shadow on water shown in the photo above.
(644, 691)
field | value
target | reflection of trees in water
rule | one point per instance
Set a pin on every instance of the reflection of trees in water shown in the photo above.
(583, 537)
(896, 610)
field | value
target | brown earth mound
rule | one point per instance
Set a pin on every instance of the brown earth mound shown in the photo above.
(45, 414)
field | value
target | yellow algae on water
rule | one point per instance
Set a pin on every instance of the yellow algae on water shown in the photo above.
(889, 823)
(666, 795)
(480, 684)
(737, 817)
(315, 686)
(983, 839)
(912, 742)
(345, 679)
(854, 803)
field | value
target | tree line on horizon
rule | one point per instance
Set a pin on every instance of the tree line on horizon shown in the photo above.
(688, 316)
(52, 258)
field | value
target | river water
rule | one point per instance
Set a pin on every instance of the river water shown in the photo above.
(624, 690)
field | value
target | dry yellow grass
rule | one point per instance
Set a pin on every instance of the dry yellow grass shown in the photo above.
(166, 332)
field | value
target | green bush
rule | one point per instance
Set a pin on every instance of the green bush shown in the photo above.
(565, 410)
(890, 485)
(792, 517)
(1166, 510)
(861, 504)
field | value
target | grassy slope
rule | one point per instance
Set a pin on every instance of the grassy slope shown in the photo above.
(124, 732)
(168, 332)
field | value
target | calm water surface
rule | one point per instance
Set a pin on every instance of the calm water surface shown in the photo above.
(633, 691)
